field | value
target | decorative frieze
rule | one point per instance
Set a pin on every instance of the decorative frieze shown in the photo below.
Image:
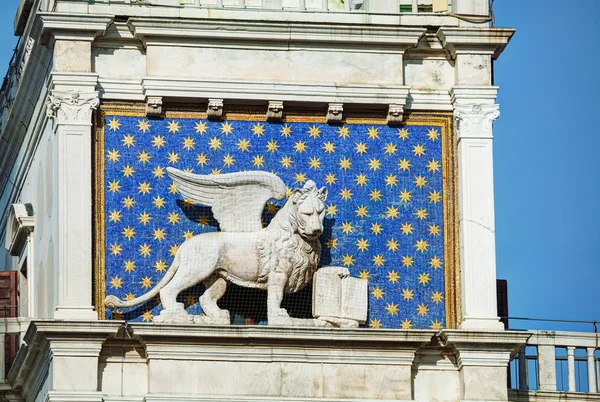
(74, 108)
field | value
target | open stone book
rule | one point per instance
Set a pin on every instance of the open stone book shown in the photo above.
(339, 298)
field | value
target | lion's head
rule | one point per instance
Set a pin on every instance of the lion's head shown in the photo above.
(310, 207)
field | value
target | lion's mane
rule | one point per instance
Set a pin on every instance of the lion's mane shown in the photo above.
(281, 240)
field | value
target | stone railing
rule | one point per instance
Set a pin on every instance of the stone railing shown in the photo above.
(555, 364)
(12, 332)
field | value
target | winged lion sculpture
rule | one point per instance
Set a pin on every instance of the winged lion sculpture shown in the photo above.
(280, 258)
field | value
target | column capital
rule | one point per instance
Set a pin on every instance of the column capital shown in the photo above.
(475, 121)
(72, 108)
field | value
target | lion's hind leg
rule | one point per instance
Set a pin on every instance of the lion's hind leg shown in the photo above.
(215, 289)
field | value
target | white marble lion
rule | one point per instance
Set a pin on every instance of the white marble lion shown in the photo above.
(280, 258)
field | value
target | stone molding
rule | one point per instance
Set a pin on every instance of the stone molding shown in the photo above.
(490, 41)
(72, 26)
(72, 108)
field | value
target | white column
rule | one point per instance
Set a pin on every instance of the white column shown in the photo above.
(591, 366)
(571, 365)
(547, 367)
(474, 111)
(70, 104)
(523, 385)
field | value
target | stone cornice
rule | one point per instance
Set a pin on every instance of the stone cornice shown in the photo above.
(73, 26)
(267, 34)
(490, 41)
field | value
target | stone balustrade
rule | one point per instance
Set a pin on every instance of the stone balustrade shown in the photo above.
(555, 365)
(15, 328)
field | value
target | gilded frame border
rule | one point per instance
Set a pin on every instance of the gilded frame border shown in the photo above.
(444, 121)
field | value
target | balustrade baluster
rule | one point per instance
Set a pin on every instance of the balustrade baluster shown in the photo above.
(523, 383)
(591, 363)
(571, 367)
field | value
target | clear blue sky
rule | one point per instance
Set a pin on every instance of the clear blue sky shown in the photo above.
(547, 149)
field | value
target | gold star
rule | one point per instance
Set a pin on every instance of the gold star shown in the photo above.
(202, 159)
(144, 218)
(158, 202)
(215, 171)
(346, 194)
(115, 216)
(435, 262)
(407, 294)
(128, 233)
(407, 261)
(158, 172)
(390, 149)
(420, 181)
(115, 249)
(392, 309)
(128, 202)
(378, 293)
(272, 208)
(433, 166)
(214, 143)
(300, 178)
(419, 150)
(128, 140)
(361, 211)
(190, 300)
(424, 278)
(130, 296)
(374, 164)
(158, 141)
(403, 133)
(404, 164)
(258, 129)
(347, 228)
(361, 148)
(405, 196)
(361, 179)
(344, 132)
(406, 324)
(373, 133)
(129, 266)
(375, 195)
(392, 245)
(188, 143)
(200, 127)
(332, 210)
(243, 145)
(436, 325)
(348, 260)
(203, 220)
(378, 260)
(173, 249)
(116, 282)
(422, 245)
(435, 197)
(433, 134)
(437, 297)
(434, 230)
(228, 160)
(227, 128)
(362, 245)
(144, 157)
(113, 186)
(376, 228)
(422, 310)
(272, 146)
(345, 163)
(329, 147)
(331, 243)
(314, 163)
(286, 162)
(300, 146)
(159, 234)
(128, 171)
(173, 127)
(147, 316)
(114, 124)
(391, 180)
(407, 228)
(146, 282)
(144, 188)
(143, 125)
(364, 274)
(173, 157)
(422, 213)
(286, 131)
(392, 212)
(393, 276)
(375, 323)
(314, 132)
(160, 266)
(173, 218)
(188, 234)
(145, 250)
(113, 155)
(330, 179)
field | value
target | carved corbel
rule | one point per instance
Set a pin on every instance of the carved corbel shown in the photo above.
(214, 111)
(275, 111)
(335, 112)
(154, 106)
(73, 108)
(395, 114)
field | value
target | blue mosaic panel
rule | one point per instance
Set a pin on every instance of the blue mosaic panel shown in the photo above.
(384, 216)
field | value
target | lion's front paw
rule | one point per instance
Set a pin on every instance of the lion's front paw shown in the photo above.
(343, 272)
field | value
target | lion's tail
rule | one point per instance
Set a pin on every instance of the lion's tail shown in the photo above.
(114, 302)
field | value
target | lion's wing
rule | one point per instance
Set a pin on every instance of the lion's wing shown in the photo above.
(237, 199)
